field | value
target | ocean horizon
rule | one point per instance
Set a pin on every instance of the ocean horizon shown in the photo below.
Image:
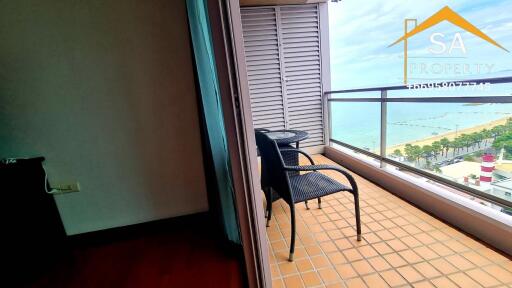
(358, 124)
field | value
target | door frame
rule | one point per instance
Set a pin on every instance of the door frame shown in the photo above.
(227, 38)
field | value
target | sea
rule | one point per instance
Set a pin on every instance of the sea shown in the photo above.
(358, 124)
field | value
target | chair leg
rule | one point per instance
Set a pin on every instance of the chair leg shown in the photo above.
(319, 203)
(269, 206)
(306, 202)
(358, 216)
(292, 242)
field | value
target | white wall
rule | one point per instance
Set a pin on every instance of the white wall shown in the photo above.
(105, 91)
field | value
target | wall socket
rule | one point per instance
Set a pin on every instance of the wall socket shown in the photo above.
(65, 188)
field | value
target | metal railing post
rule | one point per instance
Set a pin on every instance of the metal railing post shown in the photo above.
(383, 125)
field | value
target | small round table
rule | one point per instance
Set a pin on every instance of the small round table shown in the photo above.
(287, 137)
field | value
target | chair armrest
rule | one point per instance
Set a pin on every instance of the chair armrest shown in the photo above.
(347, 175)
(298, 152)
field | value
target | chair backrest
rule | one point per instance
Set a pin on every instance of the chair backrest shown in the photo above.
(273, 164)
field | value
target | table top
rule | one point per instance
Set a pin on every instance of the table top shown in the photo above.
(284, 137)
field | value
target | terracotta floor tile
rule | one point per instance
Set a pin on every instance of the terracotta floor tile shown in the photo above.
(459, 262)
(395, 260)
(456, 246)
(500, 273)
(367, 251)
(441, 249)
(385, 235)
(382, 248)
(424, 284)
(411, 241)
(336, 258)
(277, 283)
(397, 245)
(328, 247)
(329, 275)
(463, 280)
(476, 258)
(425, 252)
(400, 221)
(335, 234)
(362, 267)
(321, 237)
(398, 232)
(294, 281)
(443, 282)
(279, 245)
(343, 244)
(493, 256)
(427, 270)
(274, 269)
(378, 263)
(375, 281)
(300, 252)
(320, 261)
(443, 266)
(311, 279)
(355, 283)
(352, 254)
(410, 256)
(287, 268)
(409, 274)
(335, 285)
(439, 236)
(313, 250)
(482, 277)
(304, 265)
(393, 278)
(346, 271)
(425, 238)
(411, 229)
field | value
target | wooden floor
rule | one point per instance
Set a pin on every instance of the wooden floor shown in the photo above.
(186, 255)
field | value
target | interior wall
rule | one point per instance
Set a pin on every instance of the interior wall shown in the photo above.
(105, 91)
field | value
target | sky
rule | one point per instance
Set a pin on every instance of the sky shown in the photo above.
(361, 31)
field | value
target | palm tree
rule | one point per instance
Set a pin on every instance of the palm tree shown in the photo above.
(486, 134)
(456, 144)
(466, 141)
(437, 148)
(427, 152)
(497, 131)
(504, 142)
(398, 153)
(445, 143)
(413, 153)
(477, 138)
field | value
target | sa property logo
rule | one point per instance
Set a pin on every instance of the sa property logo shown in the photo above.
(439, 47)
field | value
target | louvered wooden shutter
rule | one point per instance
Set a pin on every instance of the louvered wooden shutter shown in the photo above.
(263, 68)
(282, 46)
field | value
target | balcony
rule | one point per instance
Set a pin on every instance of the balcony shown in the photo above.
(434, 171)
(402, 246)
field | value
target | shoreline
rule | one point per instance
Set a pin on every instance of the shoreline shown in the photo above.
(450, 135)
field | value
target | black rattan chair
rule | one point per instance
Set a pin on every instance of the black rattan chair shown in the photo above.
(299, 187)
(290, 159)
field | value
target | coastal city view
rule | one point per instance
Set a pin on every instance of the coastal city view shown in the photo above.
(467, 143)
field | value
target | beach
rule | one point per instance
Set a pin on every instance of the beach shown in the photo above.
(450, 135)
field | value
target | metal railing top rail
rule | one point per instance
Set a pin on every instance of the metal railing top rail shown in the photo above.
(496, 80)
(437, 99)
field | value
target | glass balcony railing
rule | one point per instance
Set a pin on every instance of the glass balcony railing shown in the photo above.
(462, 142)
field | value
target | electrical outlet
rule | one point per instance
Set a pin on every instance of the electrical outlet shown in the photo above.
(65, 188)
